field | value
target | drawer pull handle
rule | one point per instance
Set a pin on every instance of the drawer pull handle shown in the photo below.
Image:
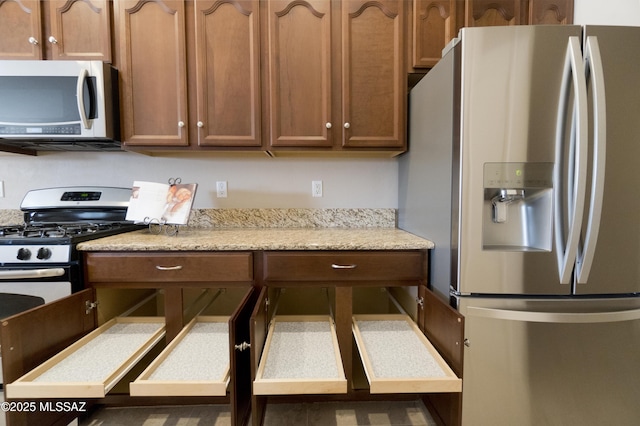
(336, 266)
(168, 268)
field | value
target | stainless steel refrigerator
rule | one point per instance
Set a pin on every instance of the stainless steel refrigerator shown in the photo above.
(524, 168)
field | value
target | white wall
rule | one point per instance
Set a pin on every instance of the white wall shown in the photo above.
(254, 180)
(611, 12)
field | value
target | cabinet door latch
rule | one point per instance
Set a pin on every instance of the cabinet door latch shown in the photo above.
(89, 306)
(242, 346)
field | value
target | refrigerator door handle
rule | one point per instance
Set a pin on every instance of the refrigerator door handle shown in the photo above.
(574, 76)
(555, 317)
(593, 66)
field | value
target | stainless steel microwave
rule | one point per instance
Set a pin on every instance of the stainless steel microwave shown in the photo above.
(59, 105)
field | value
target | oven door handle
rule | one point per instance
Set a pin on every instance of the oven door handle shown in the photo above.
(31, 273)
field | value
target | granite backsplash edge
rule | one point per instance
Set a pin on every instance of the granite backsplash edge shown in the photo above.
(271, 218)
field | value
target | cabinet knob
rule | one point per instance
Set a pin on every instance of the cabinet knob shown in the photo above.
(33, 41)
(347, 125)
(53, 40)
(328, 125)
(180, 123)
(200, 124)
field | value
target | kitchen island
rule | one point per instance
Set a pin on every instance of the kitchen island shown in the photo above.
(258, 277)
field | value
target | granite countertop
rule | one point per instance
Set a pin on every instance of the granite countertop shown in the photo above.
(230, 239)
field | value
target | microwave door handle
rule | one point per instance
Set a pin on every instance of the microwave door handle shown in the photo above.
(567, 247)
(82, 77)
(595, 72)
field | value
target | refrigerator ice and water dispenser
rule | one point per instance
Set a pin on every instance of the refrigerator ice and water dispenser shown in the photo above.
(518, 208)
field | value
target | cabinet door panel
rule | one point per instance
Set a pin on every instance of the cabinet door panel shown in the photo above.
(373, 74)
(550, 12)
(153, 72)
(434, 25)
(228, 80)
(19, 23)
(299, 61)
(82, 30)
(485, 13)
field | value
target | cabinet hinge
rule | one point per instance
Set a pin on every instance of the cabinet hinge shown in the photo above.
(242, 346)
(89, 306)
(420, 302)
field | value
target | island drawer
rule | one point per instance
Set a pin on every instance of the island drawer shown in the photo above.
(169, 267)
(344, 265)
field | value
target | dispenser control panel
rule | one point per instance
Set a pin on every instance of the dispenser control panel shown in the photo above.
(518, 175)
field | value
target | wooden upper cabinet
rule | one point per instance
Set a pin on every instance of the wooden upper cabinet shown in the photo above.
(299, 67)
(73, 29)
(434, 26)
(374, 81)
(153, 75)
(228, 73)
(484, 13)
(20, 29)
(550, 12)
(80, 30)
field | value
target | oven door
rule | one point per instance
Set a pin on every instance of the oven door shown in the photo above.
(24, 288)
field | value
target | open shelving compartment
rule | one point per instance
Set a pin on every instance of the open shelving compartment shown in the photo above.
(300, 356)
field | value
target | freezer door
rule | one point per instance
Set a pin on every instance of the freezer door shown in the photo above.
(613, 265)
(551, 363)
(511, 84)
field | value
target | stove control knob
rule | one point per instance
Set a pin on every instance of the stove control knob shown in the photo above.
(24, 254)
(43, 253)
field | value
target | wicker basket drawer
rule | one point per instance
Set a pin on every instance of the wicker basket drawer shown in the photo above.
(398, 358)
(344, 266)
(94, 364)
(300, 356)
(169, 267)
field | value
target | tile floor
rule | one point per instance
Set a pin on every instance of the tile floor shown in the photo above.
(403, 413)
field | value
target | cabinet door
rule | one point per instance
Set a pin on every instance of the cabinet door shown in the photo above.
(153, 74)
(20, 31)
(299, 64)
(80, 30)
(374, 83)
(434, 25)
(228, 72)
(550, 12)
(485, 13)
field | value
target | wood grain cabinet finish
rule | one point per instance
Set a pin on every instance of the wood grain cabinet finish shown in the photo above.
(153, 72)
(164, 103)
(336, 74)
(299, 62)
(434, 23)
(56, 29)
(227, 47)
(197, 267)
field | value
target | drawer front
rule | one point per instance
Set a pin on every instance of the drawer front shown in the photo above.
(169, 267)
(345, 266)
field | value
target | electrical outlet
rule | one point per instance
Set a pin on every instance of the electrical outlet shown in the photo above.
(1, 189)
(316, 188)
(221, 188)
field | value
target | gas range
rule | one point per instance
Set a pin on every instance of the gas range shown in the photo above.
(56, 219)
